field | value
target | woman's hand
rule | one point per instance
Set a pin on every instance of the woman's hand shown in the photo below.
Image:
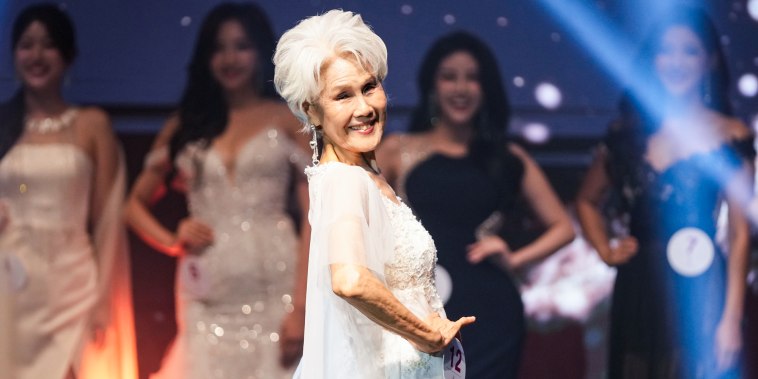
(728, 343)
(292, 336)
(190, 235)
(621, 251)
(446, 329)
(490, 246)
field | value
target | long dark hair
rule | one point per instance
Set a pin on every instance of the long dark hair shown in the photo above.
(487, 147)
(640, 111)
(61, 32)
(203, 109)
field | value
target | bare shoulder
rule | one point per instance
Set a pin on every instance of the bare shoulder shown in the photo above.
(95, 123)
(393, 142)
(519, 152)
(94, 118)
(730, 128)
(279, 114)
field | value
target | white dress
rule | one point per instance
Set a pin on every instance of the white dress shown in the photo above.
(58, 274)
(353, 223)
(233, 295)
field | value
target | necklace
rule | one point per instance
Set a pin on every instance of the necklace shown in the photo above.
(51, 124)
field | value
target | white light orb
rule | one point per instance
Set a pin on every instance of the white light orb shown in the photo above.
(748, 85)
(536, 133)
(186, 21)
(406, 9)
(518, 81)
(548, 95)
(752, 9)
(502, 21)
(449, 19)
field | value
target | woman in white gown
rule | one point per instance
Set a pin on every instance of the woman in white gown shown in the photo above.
(232, 146)
(372, 310)
(65, 300)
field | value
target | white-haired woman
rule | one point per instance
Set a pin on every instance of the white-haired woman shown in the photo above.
(371, 310)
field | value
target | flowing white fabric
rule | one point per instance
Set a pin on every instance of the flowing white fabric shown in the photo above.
(353, 223)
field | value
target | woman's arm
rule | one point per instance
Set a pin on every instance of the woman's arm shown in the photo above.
(728, 333)
(588, 201)
(104, 151)
(359, 287)
(293, 325)
(148, 187)
(543, 200)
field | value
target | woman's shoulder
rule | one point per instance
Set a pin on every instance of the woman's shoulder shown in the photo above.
(94, 123)
(93, 117)
(278, 115)
(729, 128)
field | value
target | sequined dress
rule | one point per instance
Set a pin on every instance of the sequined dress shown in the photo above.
(232, 296)
(354, 223)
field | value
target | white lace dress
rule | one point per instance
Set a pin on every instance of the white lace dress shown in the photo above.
(353, 223)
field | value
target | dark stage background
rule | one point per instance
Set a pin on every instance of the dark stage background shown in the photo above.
(563, 86)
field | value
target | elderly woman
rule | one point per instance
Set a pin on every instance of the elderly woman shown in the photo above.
(371, 309)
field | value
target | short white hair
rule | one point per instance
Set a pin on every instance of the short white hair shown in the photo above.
(303, 50)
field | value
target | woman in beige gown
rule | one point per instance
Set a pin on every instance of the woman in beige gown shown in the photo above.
(231, 148)
(66, 304)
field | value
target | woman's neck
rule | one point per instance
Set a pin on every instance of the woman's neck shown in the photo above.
(331, 153)
(44, 104)
(684, 105)
(241, 98)
(446, 132)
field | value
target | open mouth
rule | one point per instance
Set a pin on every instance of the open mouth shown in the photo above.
(364, 128)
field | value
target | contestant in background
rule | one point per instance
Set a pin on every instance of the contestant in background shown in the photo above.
(461, 176)
(671, 157)
(231, 147)
(67, 312)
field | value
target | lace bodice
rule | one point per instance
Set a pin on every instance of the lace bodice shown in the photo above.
(415, 254)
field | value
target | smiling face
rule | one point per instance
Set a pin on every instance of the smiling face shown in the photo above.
(233, 62)
(681, 62)
(351, 109)
(457, 88)
(39, 63)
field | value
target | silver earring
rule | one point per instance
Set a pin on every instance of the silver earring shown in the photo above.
(314, 145)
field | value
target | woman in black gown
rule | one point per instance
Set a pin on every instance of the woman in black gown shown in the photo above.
(672, 156)
(459, 174)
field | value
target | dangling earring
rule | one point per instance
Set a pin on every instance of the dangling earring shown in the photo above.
(314, 145)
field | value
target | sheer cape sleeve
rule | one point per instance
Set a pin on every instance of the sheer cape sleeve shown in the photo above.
(349, 226)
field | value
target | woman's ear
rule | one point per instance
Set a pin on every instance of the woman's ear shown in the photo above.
(312, 111)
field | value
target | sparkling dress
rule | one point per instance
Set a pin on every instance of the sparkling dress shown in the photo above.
(354, 223)
(233, 295)
(664, 312)
(61, 271)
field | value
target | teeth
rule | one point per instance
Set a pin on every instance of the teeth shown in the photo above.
(360, 127)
